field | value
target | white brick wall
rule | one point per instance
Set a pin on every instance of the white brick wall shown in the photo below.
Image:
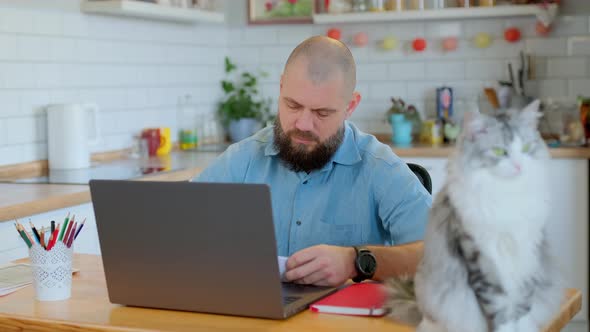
(135, 70)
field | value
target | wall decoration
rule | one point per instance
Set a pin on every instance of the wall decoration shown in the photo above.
(482, 40)
(280, 11)
(389, 43)
(334, 33)
(449, 44)
(419, 44)
(360, 39)
(512, 35)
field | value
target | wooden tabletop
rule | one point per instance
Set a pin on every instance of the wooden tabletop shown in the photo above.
(90, 309)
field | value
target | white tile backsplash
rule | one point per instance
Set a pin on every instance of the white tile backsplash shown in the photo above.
(566, 67)
(407, 71)
(445, 70)
(547, 46)
(580, 87)
(137, 69)
(485, 69)
(579, 45)
(383, 91)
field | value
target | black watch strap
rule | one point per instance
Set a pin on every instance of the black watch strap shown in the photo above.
(362, 255)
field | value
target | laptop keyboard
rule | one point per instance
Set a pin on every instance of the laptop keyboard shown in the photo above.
(290, 299)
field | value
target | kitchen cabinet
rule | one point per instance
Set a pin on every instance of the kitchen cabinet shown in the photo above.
(12, 246)
(568, 221)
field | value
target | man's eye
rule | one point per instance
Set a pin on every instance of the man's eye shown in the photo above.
(323, 114)
(292, 106)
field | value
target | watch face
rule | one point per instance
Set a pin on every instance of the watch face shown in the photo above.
(367, 263)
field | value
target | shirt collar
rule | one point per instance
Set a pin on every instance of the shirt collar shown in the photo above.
(346, 154)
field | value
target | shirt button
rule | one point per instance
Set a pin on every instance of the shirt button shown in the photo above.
(298, 222)
(305, 182)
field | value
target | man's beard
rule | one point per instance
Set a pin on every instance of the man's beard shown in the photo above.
(297, 157)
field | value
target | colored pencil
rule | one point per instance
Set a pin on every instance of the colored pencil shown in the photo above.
(42, 236)
(54, 237)
(25, 237)
(37, 237)
(71, 238)
(69, 229)
(80, 228)
(63, 227)
(52, 226)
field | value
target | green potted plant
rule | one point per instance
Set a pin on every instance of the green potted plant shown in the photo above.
(242, 111)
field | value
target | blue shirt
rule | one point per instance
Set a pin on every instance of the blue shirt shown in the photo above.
(364, 195)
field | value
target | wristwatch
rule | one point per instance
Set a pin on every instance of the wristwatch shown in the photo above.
(365, 264)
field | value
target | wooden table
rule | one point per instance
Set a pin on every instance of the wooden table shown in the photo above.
(90, 310)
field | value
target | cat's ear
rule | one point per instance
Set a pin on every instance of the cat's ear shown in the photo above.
(474, 124)
(529, 116)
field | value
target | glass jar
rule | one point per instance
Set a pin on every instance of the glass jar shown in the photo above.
(187, 124)
(359, 6)
(377, 5)
(487, 3)
(395, 5)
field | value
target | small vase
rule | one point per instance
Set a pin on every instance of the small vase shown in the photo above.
(402, 130)
(242, 128)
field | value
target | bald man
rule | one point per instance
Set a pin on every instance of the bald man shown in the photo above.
(344, 205)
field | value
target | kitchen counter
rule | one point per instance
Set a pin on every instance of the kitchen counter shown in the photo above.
(18, 200)
(444, 150)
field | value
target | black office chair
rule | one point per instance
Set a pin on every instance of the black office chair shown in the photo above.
(422, 175)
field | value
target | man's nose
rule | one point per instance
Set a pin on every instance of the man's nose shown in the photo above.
(304, 121)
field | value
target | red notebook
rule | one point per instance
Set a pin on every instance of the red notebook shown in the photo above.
(364, 299)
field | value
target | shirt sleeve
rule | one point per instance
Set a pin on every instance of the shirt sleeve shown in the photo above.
(229, 167)
(403, 205)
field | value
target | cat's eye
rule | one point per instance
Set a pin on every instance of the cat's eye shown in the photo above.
(526, 148)
(499, 152)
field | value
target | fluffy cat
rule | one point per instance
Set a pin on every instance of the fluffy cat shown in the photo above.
(486, 263)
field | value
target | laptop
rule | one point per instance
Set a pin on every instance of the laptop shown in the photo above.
(203, 247)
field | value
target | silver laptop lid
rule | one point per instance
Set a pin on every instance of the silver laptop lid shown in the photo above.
(206, 247)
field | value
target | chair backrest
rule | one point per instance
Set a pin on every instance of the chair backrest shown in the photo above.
(422, 175)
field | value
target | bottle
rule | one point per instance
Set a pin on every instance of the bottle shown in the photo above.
(187, 129)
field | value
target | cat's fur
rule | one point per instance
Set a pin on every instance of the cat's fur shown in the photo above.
(486, 263)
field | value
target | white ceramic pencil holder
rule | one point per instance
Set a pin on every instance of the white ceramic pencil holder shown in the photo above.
(52, 271)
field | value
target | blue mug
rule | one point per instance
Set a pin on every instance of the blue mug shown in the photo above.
(402, 130)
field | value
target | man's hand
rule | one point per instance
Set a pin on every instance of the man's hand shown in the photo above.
(321, 265)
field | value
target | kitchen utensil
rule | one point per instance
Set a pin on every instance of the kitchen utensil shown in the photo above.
(71, 130)
(521, 74)
(492, 97)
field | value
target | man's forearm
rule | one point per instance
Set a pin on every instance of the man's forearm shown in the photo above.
(397, 260)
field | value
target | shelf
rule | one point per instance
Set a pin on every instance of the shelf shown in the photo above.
(147, 10)
(429, 14)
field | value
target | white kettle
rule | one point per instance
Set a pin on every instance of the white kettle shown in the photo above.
(71, 130)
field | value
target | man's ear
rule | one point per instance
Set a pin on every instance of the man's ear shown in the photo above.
(281, 83)
(354, 102)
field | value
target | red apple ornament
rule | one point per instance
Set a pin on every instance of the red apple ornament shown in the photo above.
(419, 44)
(335, 33)
(512, 35)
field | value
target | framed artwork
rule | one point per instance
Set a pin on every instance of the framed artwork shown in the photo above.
(280, 11)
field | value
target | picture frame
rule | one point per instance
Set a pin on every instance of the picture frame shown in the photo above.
(281, 11)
